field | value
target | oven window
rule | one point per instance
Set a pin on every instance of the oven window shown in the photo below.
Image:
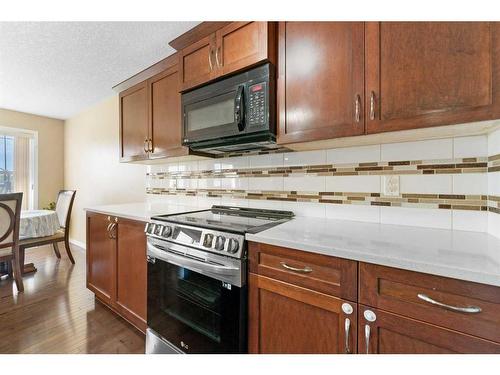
(194, 300)
(214, 112)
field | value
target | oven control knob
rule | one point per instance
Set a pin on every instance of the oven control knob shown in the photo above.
(233, 246)
(207, 241)
(219, 243)
(159, 229)
(167, 231)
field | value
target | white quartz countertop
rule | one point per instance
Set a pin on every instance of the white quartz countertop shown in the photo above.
(464, 255)
(141, 211)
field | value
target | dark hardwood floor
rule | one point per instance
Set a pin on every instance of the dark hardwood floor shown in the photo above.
(57, 314)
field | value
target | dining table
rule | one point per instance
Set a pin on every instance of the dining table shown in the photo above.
(35, 224)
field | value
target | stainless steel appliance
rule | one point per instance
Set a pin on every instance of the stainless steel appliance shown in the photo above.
(234, 114)
(197, 292)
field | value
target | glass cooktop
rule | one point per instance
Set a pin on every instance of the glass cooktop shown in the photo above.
(234, 219)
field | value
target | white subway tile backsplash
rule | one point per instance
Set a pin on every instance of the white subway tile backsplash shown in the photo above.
(304, 183)
(494, 183)
(187, 183)
(234, 183)
(305, 158)
(353, 184)
(265, 183)
(470, 183)
(234, 163)
(188, 166)
(422, 217)
(209, 165)
(229, 201)
(308, 209)
(494, 143)
(467, 147)
(353, 212)
(420, 150)
(426, 184)
(353, 154)
(266, 204)
(264, 161)
(209, 183)
(475, 221)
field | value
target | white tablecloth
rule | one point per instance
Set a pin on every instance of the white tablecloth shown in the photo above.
(38, 223)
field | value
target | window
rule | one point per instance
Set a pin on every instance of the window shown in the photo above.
(17, 164)
(6, 164)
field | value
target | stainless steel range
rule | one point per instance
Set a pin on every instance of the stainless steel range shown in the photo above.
(197, 294)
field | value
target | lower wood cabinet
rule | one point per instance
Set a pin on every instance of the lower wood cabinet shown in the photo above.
(381, 332)
(301, 302)
(116, 265)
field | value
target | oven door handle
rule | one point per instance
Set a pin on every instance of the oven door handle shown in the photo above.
(164, 254)
(239, 108)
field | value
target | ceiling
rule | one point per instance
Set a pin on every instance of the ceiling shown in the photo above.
(58, 69)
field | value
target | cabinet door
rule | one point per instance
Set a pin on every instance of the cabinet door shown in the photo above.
(197, 63)
(421, 74)
(320, 80)
(165, 114)
(101, 252)
(381, 332)
(243, 44)
(134, 123)
(131, 271)
(284, 318)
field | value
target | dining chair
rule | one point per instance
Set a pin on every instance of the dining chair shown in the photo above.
(64, 205)
(10, 216)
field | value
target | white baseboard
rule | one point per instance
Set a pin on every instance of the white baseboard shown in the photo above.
(79, 244)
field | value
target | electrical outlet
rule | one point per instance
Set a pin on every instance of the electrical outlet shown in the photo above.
(390, 186)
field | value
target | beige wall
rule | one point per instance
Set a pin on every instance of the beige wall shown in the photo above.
(50, 150)
(91, 163)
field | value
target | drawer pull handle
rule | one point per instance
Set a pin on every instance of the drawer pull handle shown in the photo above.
(468, 309)
(300, 270)
(347, 328)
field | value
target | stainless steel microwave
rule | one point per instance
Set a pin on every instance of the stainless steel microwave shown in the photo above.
(232, 115)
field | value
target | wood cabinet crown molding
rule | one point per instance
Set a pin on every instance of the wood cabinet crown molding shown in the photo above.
(196, 33)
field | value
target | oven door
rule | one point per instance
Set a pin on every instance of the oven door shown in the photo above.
(190, 305)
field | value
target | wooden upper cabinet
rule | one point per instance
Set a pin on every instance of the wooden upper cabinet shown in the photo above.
(134, 122)
(243, 44)
(421, 74)
(288, 319)
(320, 80)
(234, 47)
(101, 250)
(165, 114)
(131, 271)
(386, 333)
(197, 62)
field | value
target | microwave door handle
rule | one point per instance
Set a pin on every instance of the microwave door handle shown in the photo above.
(239, 108)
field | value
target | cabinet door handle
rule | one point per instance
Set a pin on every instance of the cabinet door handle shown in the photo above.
(466, 309)
(367, 338)
(150, 145)
(372, 106)
(146, 146)
(111, 231)
(357, 108)
(210, 59)
(108, 228)
(347, 329)
(300, 270)
(217, 57)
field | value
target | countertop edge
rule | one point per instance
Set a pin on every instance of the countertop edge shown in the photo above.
(117, 213)
(432, 269)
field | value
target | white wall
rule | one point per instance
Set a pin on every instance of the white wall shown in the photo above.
(91, 163)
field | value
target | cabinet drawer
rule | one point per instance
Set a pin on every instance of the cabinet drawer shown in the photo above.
(460, 305)
(329, 275)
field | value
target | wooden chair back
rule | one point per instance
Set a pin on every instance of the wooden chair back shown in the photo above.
(64, 206)
(10, 216)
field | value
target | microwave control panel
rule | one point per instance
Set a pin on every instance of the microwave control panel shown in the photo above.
(257, 104)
